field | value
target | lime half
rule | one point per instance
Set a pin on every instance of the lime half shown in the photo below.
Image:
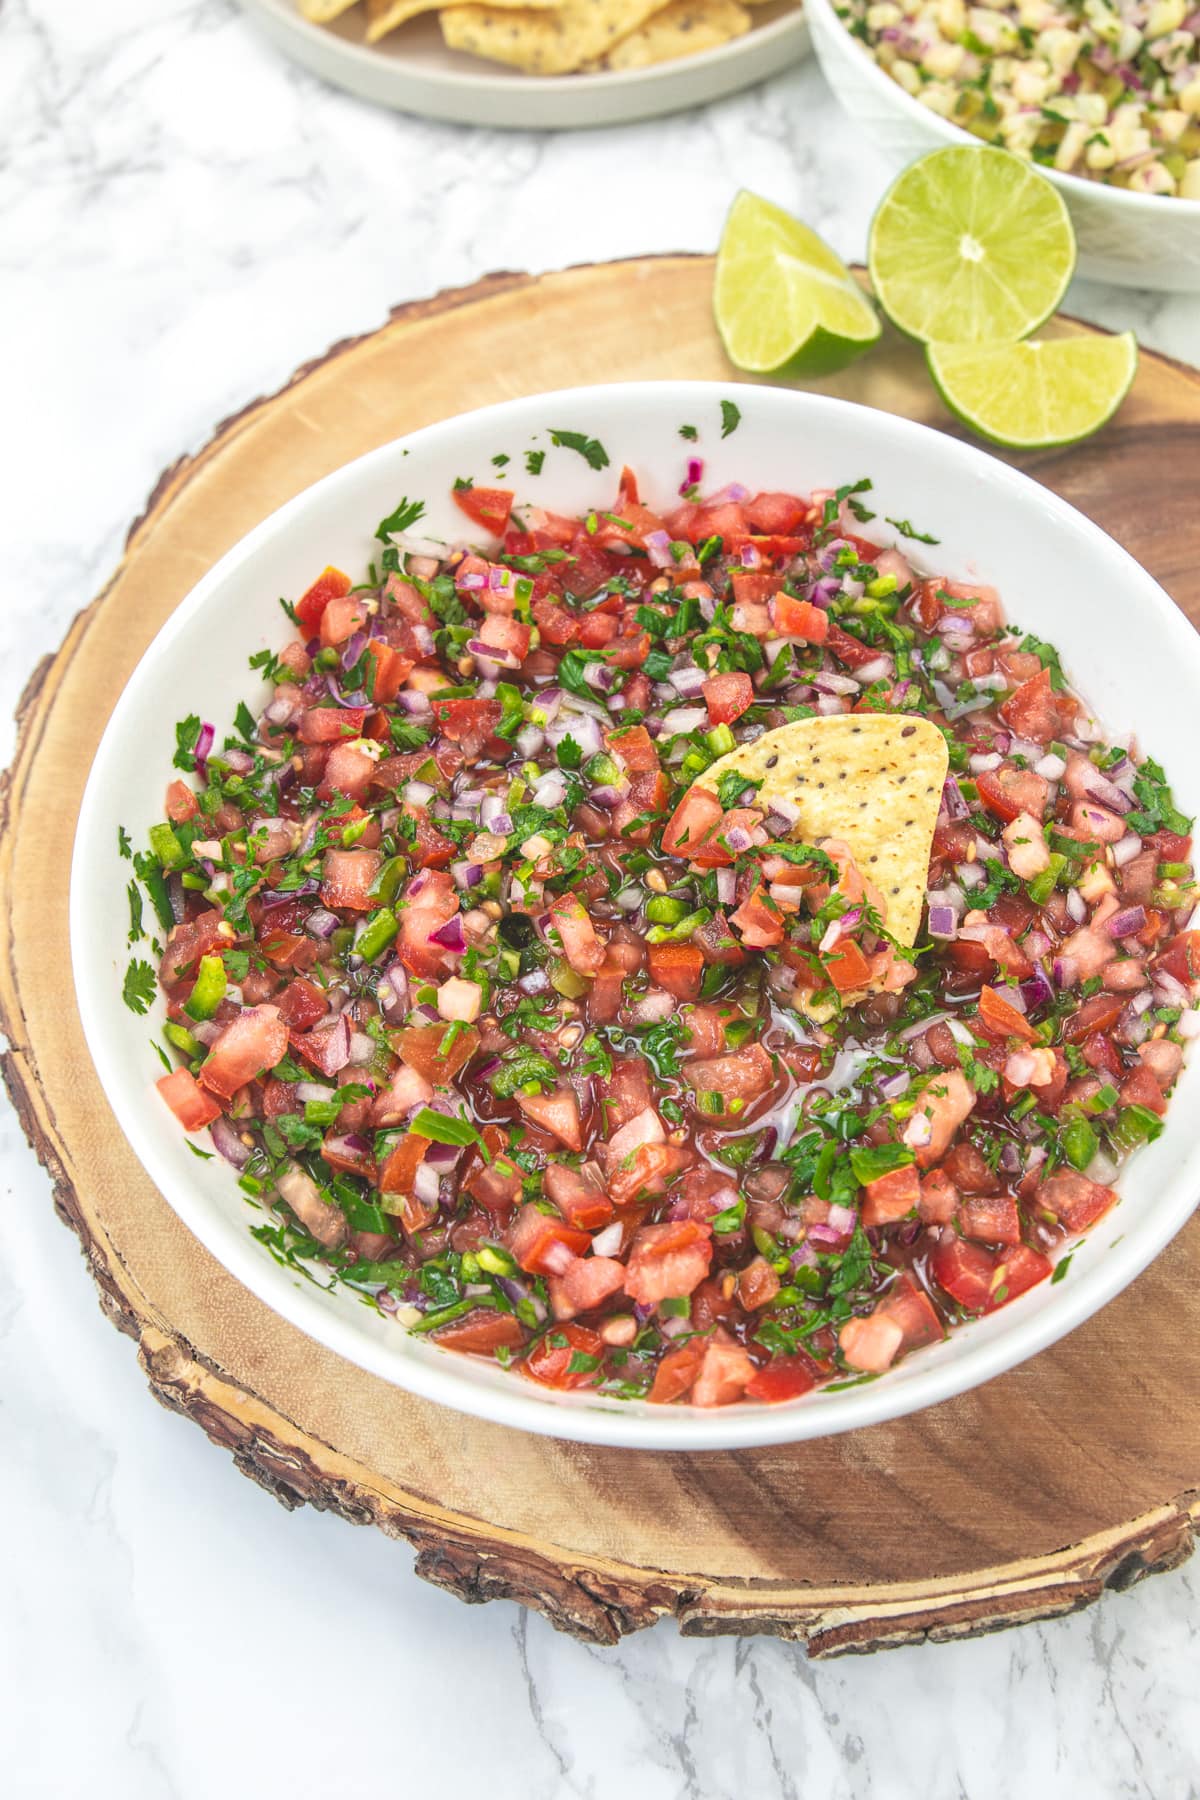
(1033, 395)
(971, 246)
(784, 303)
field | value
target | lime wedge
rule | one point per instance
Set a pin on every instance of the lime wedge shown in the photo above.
(784, 303)
(971, 245)
(1034, 395)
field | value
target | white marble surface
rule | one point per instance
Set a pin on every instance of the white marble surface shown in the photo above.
(183, 219)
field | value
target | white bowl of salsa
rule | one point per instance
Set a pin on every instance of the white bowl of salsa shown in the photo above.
(759, 1244)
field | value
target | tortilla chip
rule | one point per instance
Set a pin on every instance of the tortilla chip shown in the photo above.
(324, 12)
(552, 42)
(680, 29)
(383, 16)
(874, 780)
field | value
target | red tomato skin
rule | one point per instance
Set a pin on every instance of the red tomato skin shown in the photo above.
(727, 697)
(187, 1100)
(489, 507)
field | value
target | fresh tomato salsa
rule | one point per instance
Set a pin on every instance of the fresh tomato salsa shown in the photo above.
(571, 1064)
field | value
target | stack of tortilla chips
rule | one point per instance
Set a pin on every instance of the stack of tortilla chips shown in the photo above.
(560, 37)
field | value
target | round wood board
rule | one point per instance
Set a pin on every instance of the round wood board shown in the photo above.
(1027, 1497)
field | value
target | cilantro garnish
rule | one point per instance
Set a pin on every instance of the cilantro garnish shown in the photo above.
(405, 515)
(731, 418)
(591, 450)
(139, 987)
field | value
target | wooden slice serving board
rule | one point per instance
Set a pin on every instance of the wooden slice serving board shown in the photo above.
(1076, 1472)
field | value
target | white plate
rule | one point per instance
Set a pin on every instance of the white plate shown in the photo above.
(1129, 650)
(413, 71)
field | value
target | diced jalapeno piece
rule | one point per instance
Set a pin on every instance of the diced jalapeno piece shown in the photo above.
(381, 928)
(1079, 1143)
(209, 990)
(167, 847)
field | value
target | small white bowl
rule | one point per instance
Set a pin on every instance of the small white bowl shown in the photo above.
(1133, 240)
(1060, 576)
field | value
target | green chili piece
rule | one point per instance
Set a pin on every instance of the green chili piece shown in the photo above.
(167, 847)
(381, 929)
(209, 990)
(1080, 1143)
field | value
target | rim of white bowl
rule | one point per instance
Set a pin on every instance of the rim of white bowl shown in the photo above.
(958, 134)
(545, 1414)
(366, 56)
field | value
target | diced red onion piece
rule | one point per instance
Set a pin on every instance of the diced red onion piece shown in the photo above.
(942, 922)
(228, 1143)
(1126, 922)
(426, 1183)
(451, 935)
(1126, 848)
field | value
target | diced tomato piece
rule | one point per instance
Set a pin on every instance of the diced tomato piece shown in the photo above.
(786, 1378)
(634, 746)
(718, 943)
(489, 507)
(423, 913)
(1075, 1201)
(758, 1284)
(724, 1374)
(331, 584)
(800, 619)
(625, 1094)
(871, 1343)
(946, 1101)
(342, 617)
(391, 671)
(551, 1359)
(678, 968)
(509, 636)
(758, 920)
(668, 1261)
(963, 1271)
(1181, 957)
(645, 1170)
(349, 770)
(1034, 711)
(847, 967)
(180, 803)
(738, 1075)
(556, 624)
(468, 723)
(557, 1113)
(1019, 1269)
(399, 1169)
(588, 1283)
(434, 1052)
(1009, 792)
(754, 587)
(581, 947)
(1099, 1013)
(939, 1198)
(495, 1184)
(727, 697)
(481, 1333)
(1002, 1017)
(1141, 1088)
(990, 1219)
(776, 515)
(301, 1004)
(252, 1042)
(187, 943)
(676, 1372)
(579, 1195)
(693, 824)
(909, 1306)
(191, 1105)
(892, 1196)
(330, 724)
(848, 650)
(597, 629)
(537, 1241)
(349, 1156)
(347, 878)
